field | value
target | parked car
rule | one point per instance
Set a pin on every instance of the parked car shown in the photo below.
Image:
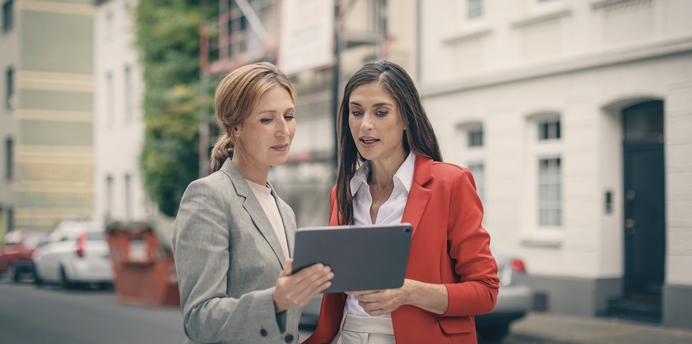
(75, 252)
(513, 301)
(15, 253)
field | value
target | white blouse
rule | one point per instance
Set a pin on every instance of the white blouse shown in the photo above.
(268, 203)
(391, 212)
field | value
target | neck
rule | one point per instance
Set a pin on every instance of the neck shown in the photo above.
(382, 170)
(250, 169)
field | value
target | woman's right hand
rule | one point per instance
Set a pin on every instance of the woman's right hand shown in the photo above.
(296, 290)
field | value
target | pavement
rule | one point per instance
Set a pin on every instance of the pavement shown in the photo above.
(549, 328)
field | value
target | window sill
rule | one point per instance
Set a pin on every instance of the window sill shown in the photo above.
(598, 4)
(468, 34)
(545, 238)
(543, 16)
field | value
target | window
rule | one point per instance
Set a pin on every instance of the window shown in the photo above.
(478, 171)
(549, 130)
(10, 219)
(474, 9)
(128, 94)
(128, 197)
(549, 192)
(109, 196)
(9, 87)
(110, 101)
(9, 159)
(475, 137)
(7, 15)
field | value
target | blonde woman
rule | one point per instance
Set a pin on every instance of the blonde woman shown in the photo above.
(233, 235)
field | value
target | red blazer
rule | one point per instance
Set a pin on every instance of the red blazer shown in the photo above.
(449, 246)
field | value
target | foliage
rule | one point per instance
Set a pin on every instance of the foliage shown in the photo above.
(167, 38)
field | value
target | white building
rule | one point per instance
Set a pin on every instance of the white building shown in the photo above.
(118, 123)
(576, 117)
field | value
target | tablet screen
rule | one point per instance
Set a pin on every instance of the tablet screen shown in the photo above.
(361, 257)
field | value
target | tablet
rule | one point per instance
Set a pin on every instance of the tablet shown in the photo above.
(361, 257)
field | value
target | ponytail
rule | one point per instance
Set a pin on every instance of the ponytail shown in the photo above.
(223, 149)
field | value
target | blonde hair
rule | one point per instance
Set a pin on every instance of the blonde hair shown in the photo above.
(235, 98)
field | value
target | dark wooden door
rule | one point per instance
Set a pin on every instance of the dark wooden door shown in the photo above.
(645, 226)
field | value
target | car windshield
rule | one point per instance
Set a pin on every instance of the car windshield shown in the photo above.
(32, 241)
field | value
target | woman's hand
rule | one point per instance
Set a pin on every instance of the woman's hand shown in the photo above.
(380, 302)
(296, 290)
(430, 297)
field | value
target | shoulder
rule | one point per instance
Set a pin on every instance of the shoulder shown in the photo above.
(209, 185)
(449, 171)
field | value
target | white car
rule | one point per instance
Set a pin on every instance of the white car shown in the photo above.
(75, 252)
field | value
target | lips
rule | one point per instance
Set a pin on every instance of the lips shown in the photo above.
(280, 148)
(369, 140)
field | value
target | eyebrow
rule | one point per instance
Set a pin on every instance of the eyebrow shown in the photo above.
(274, 111)
(374, 105)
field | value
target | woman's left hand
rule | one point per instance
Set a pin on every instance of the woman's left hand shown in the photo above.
(380, 302)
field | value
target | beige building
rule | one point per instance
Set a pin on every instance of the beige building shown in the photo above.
(575, 116)
(46, 113)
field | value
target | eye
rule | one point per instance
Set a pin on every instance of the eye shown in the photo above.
(265, 120)
(382, 113)
(289, 117)
(356, 113)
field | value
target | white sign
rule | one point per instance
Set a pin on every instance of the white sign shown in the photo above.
(306, 35)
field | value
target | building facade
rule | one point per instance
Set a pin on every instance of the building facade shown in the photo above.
(118, 123)
(46, 113)
(575, 117)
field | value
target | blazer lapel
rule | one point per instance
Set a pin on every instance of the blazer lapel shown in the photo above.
(419, 195)
(254, 208)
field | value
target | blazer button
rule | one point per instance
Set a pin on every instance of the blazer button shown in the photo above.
(263, 332)
(289, 338)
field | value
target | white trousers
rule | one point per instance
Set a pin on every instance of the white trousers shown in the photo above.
(364, 330)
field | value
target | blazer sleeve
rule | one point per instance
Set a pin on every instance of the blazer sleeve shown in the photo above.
(469, 247)
(200, 245)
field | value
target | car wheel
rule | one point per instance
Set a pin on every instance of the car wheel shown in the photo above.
(493, 332)
(37, 279)
(13, 273)
(65, 282)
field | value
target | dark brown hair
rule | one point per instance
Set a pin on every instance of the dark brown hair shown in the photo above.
(235, 98)
(419, 135)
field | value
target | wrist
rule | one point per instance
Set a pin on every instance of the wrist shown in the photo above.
(277, 307)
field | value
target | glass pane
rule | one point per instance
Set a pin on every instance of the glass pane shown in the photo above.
(643, 121)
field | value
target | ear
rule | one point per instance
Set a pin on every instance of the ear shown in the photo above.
(236, 131)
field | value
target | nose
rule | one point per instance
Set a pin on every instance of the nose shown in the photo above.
(282, 129)
(366, 122)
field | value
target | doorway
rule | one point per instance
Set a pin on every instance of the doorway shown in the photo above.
(644, 204)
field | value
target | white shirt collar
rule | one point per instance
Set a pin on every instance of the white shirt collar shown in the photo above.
(403, 176)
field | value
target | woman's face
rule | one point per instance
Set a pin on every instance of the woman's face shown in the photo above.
(265, 137)
(375, 122)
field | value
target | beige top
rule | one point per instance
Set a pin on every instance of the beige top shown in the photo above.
(271, 209)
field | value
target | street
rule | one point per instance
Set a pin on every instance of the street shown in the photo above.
(53, 315)
(85, 315)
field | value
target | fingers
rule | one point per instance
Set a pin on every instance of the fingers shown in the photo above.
(288, 268)
(299, 288)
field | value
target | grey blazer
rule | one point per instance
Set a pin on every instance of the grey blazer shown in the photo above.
(228, 258)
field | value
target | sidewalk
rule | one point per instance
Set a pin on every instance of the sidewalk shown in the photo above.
(558, 328)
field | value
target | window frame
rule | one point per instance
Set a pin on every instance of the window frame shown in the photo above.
(7, 16)
(10, 92)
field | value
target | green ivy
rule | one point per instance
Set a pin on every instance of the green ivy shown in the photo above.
(167, 38)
